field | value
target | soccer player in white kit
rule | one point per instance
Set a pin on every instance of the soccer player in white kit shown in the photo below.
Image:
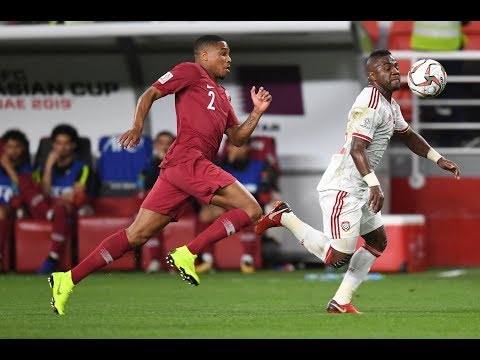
(349, 192)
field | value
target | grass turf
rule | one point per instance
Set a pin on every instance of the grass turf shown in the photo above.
(231, 305)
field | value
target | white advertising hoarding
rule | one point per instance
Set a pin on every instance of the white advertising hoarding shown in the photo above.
(91, 92)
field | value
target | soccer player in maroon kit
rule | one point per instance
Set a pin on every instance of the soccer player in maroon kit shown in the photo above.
(204, 115)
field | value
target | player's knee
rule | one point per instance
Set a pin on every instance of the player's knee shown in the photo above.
(379, 245)
(376, 248)
(256, 212)
(139, 236)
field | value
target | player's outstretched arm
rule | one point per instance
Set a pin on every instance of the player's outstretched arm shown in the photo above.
(261, 99)
(132, 137)
(238, 135)
(417, 144)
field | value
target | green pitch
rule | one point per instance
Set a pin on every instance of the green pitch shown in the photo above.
(231, 305)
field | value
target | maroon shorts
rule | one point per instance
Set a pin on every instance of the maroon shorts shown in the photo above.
(171, 192)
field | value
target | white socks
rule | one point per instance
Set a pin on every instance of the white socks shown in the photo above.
(207, 257)
(246, 259)
(317, 243)
(313, 240)
(358, 269)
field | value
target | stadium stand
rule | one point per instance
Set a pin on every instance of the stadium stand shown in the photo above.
(372, 30)
(6, 263)
(119, 175)
(400, 35)
(84, 151)
(33, 236)
(228, 251)
(399, 39)
(7, 250)
(119, 170)
(175, 234)
(472, 34)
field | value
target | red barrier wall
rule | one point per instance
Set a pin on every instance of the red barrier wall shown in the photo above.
(405, 250)
(452, 212)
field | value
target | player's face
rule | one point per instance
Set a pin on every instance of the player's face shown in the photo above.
(219, 60)
(63, 145)
(14, 150)
(387, 74)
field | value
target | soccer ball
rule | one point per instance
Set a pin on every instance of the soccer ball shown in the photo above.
(427, 78)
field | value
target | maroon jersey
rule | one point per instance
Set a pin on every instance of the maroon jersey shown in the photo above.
(203, 112)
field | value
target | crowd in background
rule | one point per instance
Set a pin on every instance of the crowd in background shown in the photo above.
(60, 181)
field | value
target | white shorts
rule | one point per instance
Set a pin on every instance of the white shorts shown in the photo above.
(345, 218)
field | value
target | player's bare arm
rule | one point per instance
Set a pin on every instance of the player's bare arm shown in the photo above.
(418, 145)
(358, 152)
(131, 138)
(52, 158)
(238, 135)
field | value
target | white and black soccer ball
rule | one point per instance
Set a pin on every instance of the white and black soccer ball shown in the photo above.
(427, 78)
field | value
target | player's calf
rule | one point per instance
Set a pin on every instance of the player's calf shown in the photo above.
(338, 264)
(336, 259)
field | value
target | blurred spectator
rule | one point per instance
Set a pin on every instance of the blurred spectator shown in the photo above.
(14, 161)
(60, 190)
(260, 179)
(161, 144)
(438, 35)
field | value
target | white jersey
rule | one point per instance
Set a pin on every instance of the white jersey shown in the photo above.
(371, 118)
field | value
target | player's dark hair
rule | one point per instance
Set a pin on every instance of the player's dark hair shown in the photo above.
(15, 134)
(65, 129)
(18, 135)
(378, 53)
(205, 41)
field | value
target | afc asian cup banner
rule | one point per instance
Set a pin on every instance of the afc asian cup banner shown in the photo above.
(90, 92)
